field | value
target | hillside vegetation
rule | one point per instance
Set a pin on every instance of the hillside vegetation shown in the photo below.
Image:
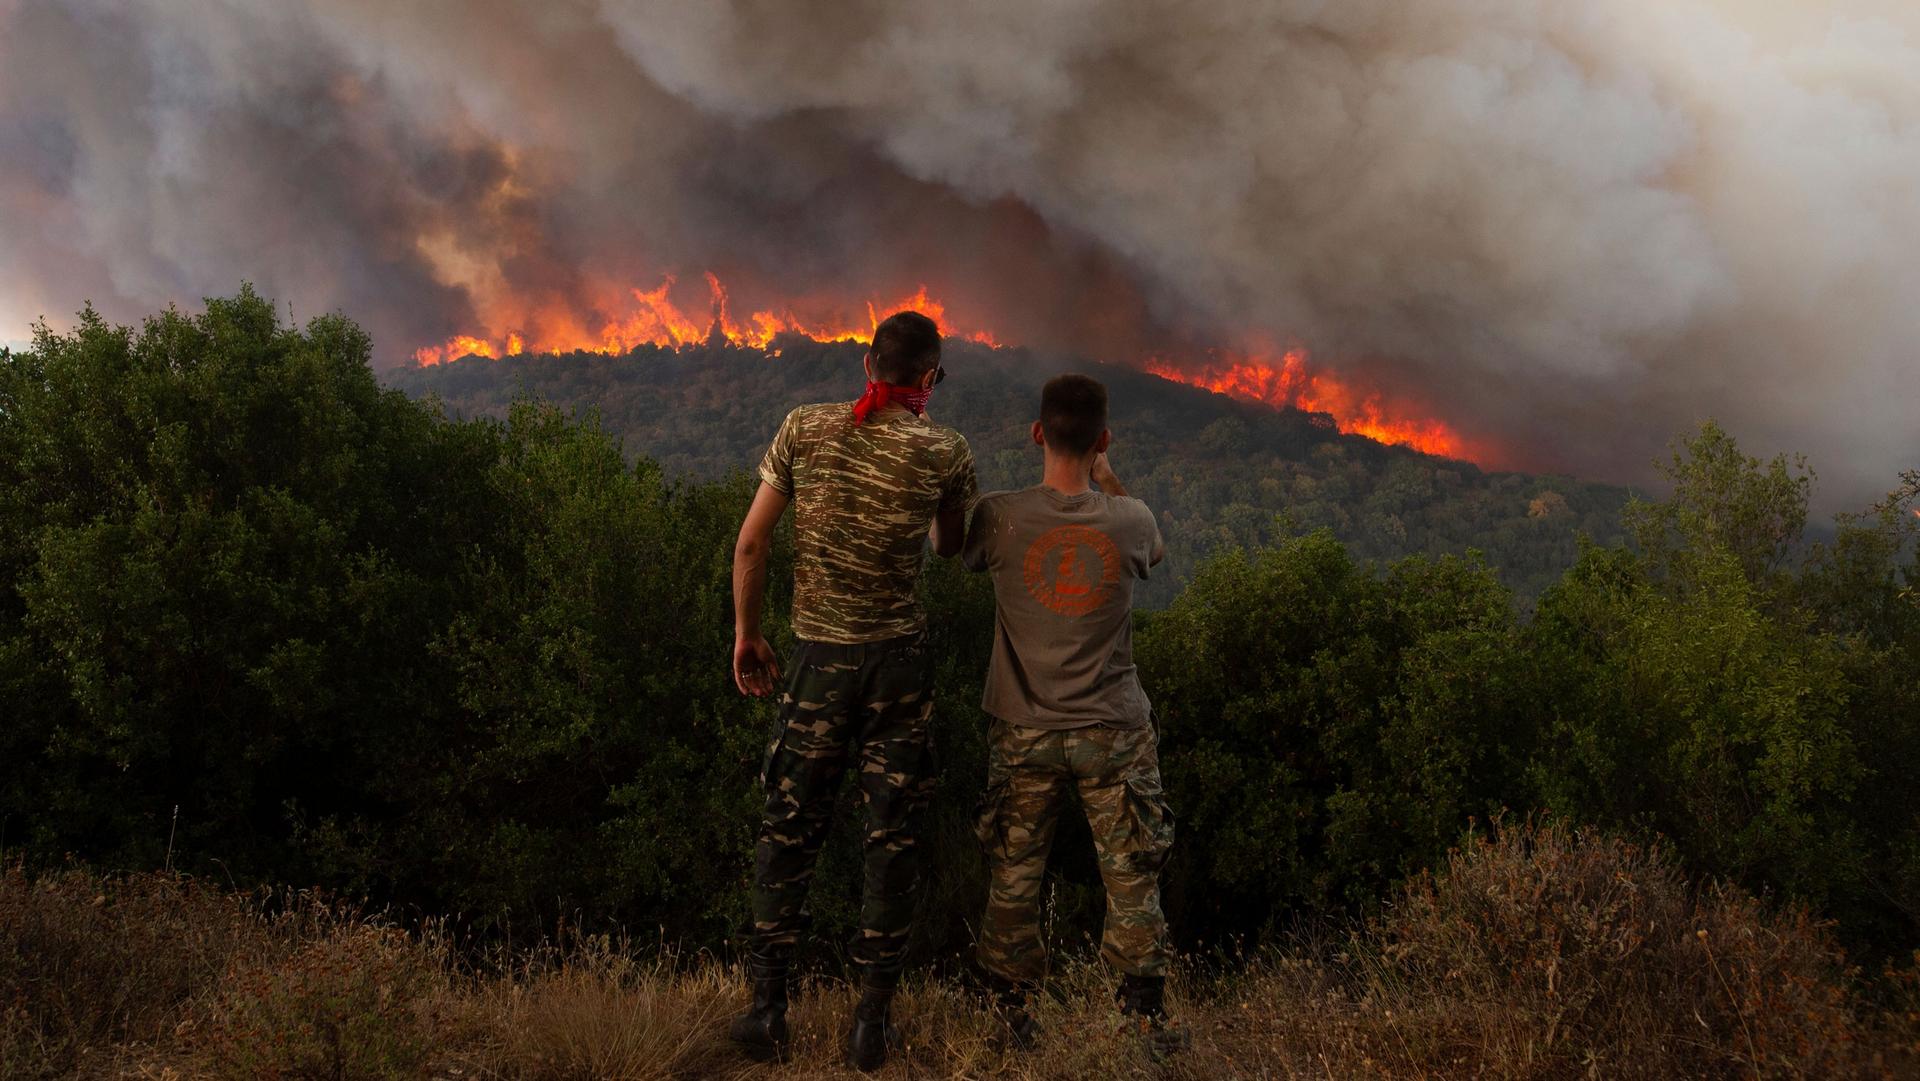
(1222, 473)
(268, 623)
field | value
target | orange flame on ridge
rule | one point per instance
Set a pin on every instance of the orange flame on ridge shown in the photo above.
(1292, 382)
(656, 319)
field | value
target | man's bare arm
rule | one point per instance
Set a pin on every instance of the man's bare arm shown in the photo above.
(1103, 475)
(755, 668)
(1109, 483)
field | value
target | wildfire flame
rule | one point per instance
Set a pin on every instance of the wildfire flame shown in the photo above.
(1292, 381)
(656, 319)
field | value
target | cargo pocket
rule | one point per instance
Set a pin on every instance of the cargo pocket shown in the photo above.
(766, 761)
(1150, 825)
(989, 826)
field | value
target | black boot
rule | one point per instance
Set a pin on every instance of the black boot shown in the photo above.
(1144, 998)
(1008, 1000)
(762, 1031)
(872, 1036)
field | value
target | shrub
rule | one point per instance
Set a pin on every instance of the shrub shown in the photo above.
(593, 1010)
(91, 963)
(361, 1001)
(472, 666)
(1572, 951)
(1326, 729)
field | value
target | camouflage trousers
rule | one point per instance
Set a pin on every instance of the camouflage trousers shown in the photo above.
(1029, 774)
(869, 707)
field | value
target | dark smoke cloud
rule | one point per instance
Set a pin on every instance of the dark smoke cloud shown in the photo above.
(159, 160)
(1573, 226)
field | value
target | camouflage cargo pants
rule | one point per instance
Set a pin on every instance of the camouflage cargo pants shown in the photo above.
(869, 707)
(1029, 774)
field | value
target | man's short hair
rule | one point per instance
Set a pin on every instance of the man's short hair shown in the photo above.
(1073, 412)
(906, 346)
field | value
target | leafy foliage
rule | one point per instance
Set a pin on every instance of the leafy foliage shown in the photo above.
(466, 665)
(478, 666)
(1333, 725)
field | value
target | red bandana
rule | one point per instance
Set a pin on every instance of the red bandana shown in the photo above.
(881, 395)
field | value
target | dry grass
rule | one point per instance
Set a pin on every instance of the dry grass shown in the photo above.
(1535, 953)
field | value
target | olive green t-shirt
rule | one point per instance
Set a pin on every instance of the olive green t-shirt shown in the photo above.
(864, 497)
(1063, 572)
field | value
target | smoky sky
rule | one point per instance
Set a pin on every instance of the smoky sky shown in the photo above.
(1571, 227)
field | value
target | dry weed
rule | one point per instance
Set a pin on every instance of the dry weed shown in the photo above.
(1540, 951)
(595, 1012)
(92, 966)
(1535, 952)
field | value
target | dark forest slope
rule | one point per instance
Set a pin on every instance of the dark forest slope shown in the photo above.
(1221, 472)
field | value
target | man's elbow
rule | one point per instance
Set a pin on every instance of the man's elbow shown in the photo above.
(749, 549)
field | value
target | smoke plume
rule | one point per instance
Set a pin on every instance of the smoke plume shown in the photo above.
(1572, 227)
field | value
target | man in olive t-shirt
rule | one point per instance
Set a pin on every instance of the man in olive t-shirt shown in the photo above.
(1068, 709)
(869, 481)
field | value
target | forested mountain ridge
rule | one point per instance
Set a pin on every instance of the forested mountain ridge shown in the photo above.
(1221, 473)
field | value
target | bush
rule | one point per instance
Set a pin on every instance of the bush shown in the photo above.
(1581, 952)
(593, 1010)
(470, 666)
(91, 964)
(361, 1001)
(1326, 729)
(1696, 714)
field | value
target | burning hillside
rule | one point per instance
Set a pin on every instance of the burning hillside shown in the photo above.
(655, 317)
(1291, 380)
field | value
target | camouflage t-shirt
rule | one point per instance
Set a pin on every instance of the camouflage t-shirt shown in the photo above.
(864, 497)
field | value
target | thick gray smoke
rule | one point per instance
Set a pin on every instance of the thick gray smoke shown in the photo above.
(1572, 226)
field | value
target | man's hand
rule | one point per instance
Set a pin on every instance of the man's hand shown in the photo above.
(1103, 475)
(754, 667)
(756, 670)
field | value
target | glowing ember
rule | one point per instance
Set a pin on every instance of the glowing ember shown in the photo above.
(654, 318)
(1291, 381)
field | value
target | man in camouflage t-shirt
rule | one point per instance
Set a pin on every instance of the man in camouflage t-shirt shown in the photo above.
(868, 481)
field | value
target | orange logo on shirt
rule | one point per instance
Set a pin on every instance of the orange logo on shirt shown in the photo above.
(1073, 569)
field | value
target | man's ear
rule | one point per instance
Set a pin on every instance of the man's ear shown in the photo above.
(1100, 444)
(926, 381)
(1039, 435)
(867, 363)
